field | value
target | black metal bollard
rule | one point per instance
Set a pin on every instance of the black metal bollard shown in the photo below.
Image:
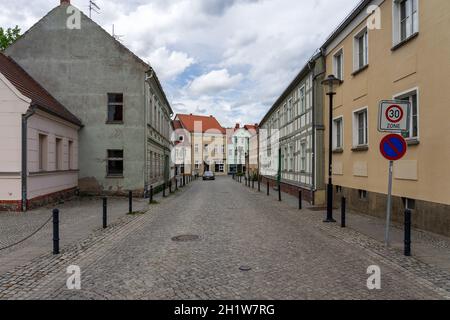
(300, 196)
(151, 194)
(176, 183)
(279, 192)
(407, 232)
(253, 184)
(184, 180)
(343, 208)
(130, 201)
(164, 190)
(259, 184)
(170, 186)
(105, 213)
(268, 187)
(55, 231)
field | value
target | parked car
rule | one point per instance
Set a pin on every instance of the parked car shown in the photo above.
(208, 175)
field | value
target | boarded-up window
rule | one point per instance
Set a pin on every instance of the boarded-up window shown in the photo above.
(42, 152)
(58, 154)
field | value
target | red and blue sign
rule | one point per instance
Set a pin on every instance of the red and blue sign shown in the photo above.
(393, 147)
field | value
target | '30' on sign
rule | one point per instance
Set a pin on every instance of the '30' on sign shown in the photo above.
(394, 116)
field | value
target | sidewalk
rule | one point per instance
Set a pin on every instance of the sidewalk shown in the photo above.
(78, 219)
(429, 248)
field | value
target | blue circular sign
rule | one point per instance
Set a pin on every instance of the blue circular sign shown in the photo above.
(393, 147)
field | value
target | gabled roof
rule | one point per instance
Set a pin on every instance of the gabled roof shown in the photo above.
(31, 89)
(176, 124)
(353, 14)
(208, 123)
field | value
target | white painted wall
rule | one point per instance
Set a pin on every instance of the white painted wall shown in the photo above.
(12, 105)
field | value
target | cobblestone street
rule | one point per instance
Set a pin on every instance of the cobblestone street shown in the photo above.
(291, 253)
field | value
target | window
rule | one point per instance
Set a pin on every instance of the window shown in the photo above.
(361, 49)
(362, 194)
(197, 164)
(291, 158)
(303, 157)
(58, 154)
(196, 148)
(302, 99)
(338, 189)
(115, 163)
(289, 109)
(70, 155)
(360, 132)
(337, 133)
(339, 64)
(406, 19)
(219, 167)
(115, 107)
(413, 130)
(42, 152)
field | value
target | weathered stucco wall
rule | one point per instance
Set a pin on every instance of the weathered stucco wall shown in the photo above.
(79, 67)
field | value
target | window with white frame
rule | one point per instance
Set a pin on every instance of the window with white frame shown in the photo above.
(289, 110)
(361, 52)
(338, 133)
(360, 128)
(291, 158)
(406, 19)
(303, 156)
(302, 100)
(338, 64)
(413, 126)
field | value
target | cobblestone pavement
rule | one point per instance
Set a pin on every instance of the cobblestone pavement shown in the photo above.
(291, 253)
(78, 219)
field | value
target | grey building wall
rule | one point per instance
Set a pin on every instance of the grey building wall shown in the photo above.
(80, 67)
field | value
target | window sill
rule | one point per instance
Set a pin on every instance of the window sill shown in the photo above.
(360, 148)
(404, 42)
(114, 177)
(356, 72)
(114, 122)
(338, 150)
(412, 142)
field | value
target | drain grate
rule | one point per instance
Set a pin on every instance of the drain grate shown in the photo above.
(186, 238)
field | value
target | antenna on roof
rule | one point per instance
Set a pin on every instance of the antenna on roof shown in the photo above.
(93, 7)
(116, 36)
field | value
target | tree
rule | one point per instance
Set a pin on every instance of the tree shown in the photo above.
(8, 36)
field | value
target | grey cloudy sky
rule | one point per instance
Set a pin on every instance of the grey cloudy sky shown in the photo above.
(228, 58)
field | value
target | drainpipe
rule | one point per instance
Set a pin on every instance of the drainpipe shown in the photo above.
(314, 133)
(24, 172)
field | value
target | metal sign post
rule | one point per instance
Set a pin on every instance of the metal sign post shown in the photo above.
(393, 147)
(389, 203)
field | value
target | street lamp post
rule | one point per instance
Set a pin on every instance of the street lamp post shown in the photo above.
(329, 84)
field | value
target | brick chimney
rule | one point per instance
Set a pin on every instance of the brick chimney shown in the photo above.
(238, 126)
(65, 2)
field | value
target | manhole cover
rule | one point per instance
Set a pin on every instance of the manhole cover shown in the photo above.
(186, 238)
(245, 268)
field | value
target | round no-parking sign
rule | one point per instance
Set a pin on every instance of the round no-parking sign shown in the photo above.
(393, 147)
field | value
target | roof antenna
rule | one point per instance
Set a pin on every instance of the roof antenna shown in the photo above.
(116, 36)
(93, 7)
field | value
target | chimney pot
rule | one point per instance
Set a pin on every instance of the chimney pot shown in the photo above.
(65, 2)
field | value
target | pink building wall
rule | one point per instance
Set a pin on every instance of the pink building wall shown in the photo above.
(39, 184)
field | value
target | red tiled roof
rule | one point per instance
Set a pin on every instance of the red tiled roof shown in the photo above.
(208, 123)
(31, 89)
(177, 124)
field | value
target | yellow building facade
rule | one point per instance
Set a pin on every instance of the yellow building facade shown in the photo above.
(393, 49)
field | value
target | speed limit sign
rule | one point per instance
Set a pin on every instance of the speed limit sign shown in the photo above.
(394, 116)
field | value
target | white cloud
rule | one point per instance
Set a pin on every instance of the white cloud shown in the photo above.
(214, 82)
(202, 48)
(169, 64)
